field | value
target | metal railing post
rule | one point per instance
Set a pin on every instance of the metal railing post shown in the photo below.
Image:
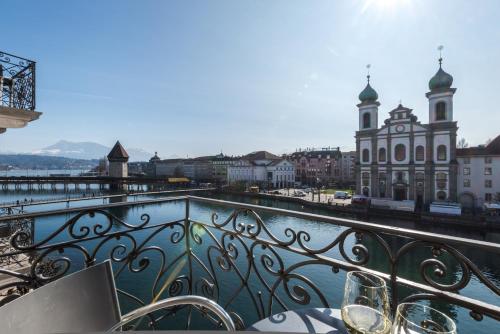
(187, 227)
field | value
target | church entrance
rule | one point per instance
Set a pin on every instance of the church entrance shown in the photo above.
(399, 194)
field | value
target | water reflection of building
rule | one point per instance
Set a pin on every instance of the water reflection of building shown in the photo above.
(405, 159)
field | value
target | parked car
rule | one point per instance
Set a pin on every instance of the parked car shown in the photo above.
(307, 190)
(360, 200)
(275, 192)
(299, 193)
(341, 195)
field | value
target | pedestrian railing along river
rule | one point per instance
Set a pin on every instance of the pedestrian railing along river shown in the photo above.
(250, 266)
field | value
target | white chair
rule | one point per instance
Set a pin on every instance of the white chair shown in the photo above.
(85, 301)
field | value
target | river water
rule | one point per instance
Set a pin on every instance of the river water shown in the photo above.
(328, 283)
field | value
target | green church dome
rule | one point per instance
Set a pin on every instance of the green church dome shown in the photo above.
(441, 80)
(368, 94)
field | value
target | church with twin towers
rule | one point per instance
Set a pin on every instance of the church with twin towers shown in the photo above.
(405, 159)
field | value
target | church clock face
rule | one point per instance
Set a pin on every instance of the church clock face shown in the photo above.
(400, 128)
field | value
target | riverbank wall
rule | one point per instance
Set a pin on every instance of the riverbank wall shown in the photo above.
(414, 219)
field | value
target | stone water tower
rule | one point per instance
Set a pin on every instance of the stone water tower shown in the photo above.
(118, 159)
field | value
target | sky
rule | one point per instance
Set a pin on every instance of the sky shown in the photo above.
(191, 78)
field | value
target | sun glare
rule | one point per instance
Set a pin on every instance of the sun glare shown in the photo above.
(384, 5)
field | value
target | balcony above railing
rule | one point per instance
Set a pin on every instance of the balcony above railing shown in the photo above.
(249, 262)
(17, 91)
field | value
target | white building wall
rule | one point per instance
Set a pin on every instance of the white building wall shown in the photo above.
(477, 177)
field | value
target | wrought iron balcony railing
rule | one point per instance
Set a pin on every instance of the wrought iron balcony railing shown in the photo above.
(17, 82)
(249, 263)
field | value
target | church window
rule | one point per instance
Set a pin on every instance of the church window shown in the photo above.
(466, 170)
(441, 180)
(466, 183)
(441, 152)
(366, 120)
(366, 155)
(381, 154)
(487, 171)
(487, 183)
(400, 152)
(441, 195)
(399, 177)
(440, 111)
(365, 178)
(419, 153)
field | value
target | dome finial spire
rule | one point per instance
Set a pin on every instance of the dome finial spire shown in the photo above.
(368, 94)
(440, 49)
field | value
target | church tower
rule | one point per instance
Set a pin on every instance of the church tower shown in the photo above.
(440, 96)
(368, 108)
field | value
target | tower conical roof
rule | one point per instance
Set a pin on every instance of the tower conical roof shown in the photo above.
(118, 152)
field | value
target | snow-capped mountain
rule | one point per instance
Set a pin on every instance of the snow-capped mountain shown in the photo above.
(88, 150)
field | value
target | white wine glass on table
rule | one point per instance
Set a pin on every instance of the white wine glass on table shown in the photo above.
(365, 308)
(413, 318)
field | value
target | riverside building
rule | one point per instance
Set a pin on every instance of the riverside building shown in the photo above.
(405, 159)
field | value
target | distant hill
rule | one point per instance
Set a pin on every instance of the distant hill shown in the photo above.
(88, 150)
(29, 161)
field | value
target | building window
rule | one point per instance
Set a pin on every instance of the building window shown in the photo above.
(441, 195)
(441, 180)
(467, 160)
(399, 177)
(441, 152)
(466, 183)
(366, 155)
(487, 171)
(466, 171)
(365, 178)
(488, 197)
(487, 183)
(366, 120)
(419, 153)
(400, 152)
(381, 154)
(487, 160)
(440, 111)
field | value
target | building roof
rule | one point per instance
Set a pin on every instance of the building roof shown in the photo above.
(368, 94)
(155, 158)
(334, 153)
(440, 80)
(118, 152)
(261, 155)
(493, 148)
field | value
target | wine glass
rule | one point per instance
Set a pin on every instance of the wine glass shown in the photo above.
(413, 318)
(365, 309)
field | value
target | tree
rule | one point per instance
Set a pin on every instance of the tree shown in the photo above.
(462, 143)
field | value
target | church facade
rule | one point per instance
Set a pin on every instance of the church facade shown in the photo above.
(405, 159)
